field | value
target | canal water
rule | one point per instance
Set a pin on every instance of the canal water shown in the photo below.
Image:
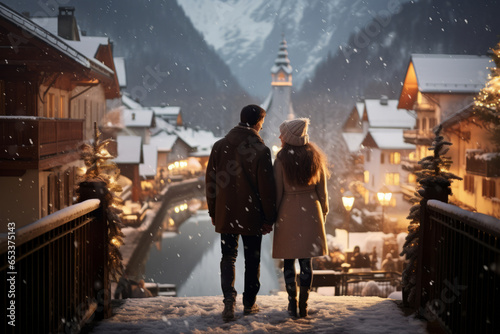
(190, 259)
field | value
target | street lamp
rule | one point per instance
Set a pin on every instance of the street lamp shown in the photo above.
(348, 201)
(384, 197)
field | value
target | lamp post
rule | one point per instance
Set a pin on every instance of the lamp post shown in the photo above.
(347, 201)
(384, 197)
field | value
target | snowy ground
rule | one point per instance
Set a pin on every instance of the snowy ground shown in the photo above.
(328, 314)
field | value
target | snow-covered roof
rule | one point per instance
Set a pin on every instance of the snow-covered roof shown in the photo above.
(88, 45)
(129, 150)
(137, 117)
(389, 139)
(201, 152)
(162, 125)
(167, 110)
(450, 73)
(353, 140)
(360, 107)
(129, 103)
(47, 23)
(286, 69)
(163, 141)
(50, 39)
(148, 168)
(387, 115)
(196, 138)
(121, 72)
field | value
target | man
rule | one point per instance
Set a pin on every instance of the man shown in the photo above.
(241, 198)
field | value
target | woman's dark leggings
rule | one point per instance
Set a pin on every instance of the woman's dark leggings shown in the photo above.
(305, 271)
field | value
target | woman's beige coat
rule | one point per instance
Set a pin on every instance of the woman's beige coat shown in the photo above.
(300, 228)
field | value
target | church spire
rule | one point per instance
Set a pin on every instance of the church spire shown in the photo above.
(281, 72)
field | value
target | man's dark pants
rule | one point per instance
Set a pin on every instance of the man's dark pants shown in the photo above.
(229, 245)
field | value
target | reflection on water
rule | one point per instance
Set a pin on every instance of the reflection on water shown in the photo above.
(190, 259)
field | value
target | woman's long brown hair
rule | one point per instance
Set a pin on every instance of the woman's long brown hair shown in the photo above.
(303, 165)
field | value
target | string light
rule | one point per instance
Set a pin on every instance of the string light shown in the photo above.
(100, 167)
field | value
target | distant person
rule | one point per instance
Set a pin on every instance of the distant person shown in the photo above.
(301, 173)
(357, 259)
(140, 291)
(241, 199)
(374, 259)
(389, 264)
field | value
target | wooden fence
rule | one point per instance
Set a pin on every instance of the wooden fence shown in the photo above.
(56, 271)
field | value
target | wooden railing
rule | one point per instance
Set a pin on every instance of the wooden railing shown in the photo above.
(56, 271)
(33, 142)
(458, 283)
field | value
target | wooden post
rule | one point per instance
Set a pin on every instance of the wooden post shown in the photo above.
(102, 286)
(426, 253)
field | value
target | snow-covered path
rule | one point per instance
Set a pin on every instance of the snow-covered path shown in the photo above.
(328, 314)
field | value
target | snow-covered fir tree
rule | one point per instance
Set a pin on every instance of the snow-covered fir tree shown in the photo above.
(434, 183)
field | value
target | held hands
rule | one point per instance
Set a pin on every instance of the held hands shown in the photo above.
(266, 228)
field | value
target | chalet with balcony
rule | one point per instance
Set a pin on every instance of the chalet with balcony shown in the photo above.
(170, 114)
(435, 87)
(370, 133)
(51, 92)
(475, 160)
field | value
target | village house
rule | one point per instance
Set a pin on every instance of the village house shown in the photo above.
(54, 84)
(476, 160)
(441, 90)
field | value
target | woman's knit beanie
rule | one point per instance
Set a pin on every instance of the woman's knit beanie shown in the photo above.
(294, 132)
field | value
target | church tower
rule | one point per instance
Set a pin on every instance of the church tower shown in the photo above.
(278, 104)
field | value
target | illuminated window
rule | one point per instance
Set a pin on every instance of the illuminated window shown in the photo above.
(51, 105)
(61, 106)
(366, 176)
(395, 158)
(281, 76)
(412, 178)
(392, 179)
(412, 156)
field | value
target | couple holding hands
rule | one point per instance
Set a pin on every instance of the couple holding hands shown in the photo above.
(248, 196)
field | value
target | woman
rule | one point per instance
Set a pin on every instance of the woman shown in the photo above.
(302, 202)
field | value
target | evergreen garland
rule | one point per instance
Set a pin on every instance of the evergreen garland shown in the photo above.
(433, 179)
(487, 102)
(100, 167)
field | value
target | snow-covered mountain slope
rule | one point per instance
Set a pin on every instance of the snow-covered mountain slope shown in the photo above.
(246, 33)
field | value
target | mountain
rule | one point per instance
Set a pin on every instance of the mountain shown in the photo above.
(167, 60)
(246, 33)
(374, 60)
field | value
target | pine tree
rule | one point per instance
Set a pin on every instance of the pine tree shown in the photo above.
(434, 183)
(487, 102)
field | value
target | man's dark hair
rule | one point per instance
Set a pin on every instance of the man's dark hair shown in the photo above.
(251, 115)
